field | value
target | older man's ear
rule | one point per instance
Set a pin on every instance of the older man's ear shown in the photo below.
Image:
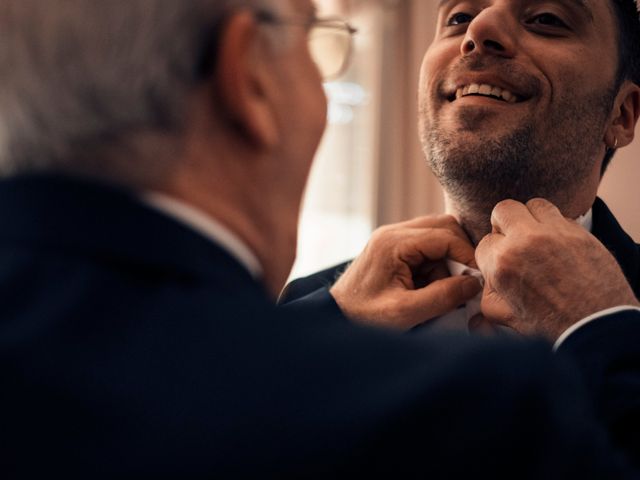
(242, 82)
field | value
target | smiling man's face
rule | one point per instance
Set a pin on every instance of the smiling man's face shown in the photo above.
(516, 96)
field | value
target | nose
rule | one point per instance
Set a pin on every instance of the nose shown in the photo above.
(491, 32)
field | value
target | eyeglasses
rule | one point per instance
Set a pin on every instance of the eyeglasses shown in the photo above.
(330, 41)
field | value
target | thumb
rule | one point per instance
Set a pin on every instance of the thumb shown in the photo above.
(442, 296)
(494, 307)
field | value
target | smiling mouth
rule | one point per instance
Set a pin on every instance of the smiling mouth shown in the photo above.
(485, 90)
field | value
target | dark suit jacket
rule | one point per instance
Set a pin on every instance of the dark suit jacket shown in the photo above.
(132, 346)
(614, 384)
(607, 229)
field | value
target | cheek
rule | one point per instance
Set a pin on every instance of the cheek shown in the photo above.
(311, 112)
(304, 95)
(584, 72)
(314, 106)
(435, 64)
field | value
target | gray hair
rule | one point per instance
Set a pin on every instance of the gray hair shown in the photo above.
(85, 83)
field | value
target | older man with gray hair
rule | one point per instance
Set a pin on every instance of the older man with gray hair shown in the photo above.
(154, 153)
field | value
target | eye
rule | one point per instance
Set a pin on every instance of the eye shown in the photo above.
(547, 20)
(459, 19)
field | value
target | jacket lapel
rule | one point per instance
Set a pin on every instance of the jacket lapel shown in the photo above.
(607, 229)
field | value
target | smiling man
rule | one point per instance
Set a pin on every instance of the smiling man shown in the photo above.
(523, 99)
(520, 99)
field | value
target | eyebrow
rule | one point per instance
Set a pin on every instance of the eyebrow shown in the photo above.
(584, 6)
(581, 4)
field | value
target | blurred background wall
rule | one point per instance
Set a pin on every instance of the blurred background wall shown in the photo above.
(370, 169)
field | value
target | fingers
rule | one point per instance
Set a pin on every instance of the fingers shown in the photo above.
(486, 251)
(398, 280)
(433, 221)
(445, 221)
(429, 273)
(494, 308)
(510, 215)
(419, 246)
(428, 238)
(438, 298)
(488, 255)
(544, 211)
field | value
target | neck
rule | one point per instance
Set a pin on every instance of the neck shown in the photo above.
(475, 216)
(264, 221)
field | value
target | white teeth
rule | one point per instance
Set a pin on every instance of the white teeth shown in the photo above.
(486, 89)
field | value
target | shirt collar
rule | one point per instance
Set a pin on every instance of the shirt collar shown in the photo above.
(586, 220)
(207, 226)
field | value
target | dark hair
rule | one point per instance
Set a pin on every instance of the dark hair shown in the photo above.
(628, 23)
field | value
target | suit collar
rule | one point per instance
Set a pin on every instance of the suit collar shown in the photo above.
(106, 222)
(607, 229)
(207, 226)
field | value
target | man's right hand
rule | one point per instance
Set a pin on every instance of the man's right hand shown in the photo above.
(400, 280)
(543, 272)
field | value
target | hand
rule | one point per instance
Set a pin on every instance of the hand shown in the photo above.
(543, 272)
(400, 280)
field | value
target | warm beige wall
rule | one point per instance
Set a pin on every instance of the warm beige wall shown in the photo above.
(621, 190)
(405, 187)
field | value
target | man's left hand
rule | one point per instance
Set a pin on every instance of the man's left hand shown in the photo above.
(401, 280)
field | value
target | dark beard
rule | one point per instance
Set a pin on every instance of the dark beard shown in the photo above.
(520, 165)
(498, 169)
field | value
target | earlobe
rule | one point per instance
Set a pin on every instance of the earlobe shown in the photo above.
(625, 116)
(239, 83)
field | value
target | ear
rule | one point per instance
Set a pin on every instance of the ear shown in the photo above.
(625, 116)
(241, 82)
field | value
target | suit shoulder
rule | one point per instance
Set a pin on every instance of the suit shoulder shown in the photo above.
(303, 286)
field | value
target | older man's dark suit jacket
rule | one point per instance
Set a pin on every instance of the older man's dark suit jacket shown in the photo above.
(130, 346)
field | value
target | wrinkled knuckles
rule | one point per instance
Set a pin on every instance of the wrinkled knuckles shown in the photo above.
(503, 205)
(379, 233)
(507, 268)
(383, 238)
(448, 221)
(534, 242)
(540, 204)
